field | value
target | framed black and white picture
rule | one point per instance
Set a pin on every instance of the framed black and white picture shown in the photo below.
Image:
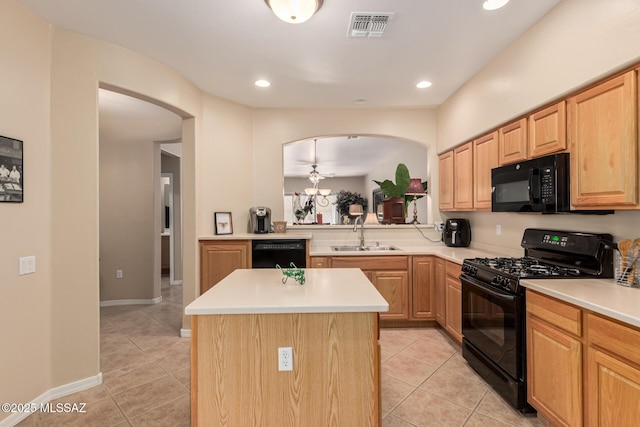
(11, 170)
(223, 223)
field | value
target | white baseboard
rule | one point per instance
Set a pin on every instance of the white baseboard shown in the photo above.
(54, 393)
(185, 333)
(175, 282)
(113, 302)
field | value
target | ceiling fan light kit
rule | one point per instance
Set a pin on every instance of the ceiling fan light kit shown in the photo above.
(294, 11)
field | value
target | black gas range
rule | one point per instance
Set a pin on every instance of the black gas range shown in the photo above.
(493, 301)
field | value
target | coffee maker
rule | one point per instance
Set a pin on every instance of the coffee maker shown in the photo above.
(259, 220)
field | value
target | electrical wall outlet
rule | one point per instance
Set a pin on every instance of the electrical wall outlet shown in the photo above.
(118, 274)
(285, 359)
(439, 225)
(498, 230)
(27, 265)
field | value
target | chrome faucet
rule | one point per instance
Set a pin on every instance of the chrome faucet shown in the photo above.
(355, 228)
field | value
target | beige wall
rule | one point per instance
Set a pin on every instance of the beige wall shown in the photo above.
(80, 66)
(578, 42)
(274, 127)
(127, 211)
(25, 301)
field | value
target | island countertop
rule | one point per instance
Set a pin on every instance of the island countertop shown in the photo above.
(253, 291)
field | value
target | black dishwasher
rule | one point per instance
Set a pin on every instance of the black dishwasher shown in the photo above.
(266, 253)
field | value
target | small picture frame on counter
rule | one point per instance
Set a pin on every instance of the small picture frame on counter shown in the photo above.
(223, 223)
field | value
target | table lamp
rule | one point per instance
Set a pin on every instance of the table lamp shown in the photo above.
(415, 189)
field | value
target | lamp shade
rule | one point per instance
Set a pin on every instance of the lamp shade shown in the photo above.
(371, 218)
(294, 11)
(355, 210)
(415, 187)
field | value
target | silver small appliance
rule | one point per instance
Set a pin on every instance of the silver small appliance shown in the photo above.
(260, 220)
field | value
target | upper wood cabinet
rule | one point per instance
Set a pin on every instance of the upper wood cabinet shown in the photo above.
(548, 130)
(220, 258)
(463, 177)
(512, 140)
(602, 133)
(445, 173)
(485, 158)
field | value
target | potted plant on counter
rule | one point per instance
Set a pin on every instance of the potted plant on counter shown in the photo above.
(396, 199)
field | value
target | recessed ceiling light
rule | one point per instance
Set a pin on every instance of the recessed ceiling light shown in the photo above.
(423, 84)
(262, 83)
(494, 4)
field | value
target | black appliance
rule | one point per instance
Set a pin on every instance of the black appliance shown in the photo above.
(493, 301)
(456, 232)
(269, 252)
(538, 185)
(260, 220)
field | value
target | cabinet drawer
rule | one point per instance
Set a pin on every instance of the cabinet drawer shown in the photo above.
(558, 313)
(453, 269)
(371, 263)
(615, 338)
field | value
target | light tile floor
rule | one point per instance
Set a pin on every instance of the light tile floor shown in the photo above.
(146, 381)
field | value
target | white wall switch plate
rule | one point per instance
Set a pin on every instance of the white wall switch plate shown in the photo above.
(118, 274)
(285, 359)
(27, 265)
(498, 230)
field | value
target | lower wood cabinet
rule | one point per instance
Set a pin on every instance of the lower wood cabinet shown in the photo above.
(439, 287)
(582, 368)
(422, 289)
(220, 258)
(390, 276)
(554, 359)
(613, 373)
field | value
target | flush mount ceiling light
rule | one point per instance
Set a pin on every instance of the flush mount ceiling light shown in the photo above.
(494, 4)
(423, 84)
(262, 83)
(294, 11)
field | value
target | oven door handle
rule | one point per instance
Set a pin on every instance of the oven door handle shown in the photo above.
(478, 285)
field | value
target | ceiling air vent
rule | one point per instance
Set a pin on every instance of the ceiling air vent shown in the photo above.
(368, 24)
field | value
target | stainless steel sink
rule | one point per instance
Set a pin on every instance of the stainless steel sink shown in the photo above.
(381, 248)
(363, 248)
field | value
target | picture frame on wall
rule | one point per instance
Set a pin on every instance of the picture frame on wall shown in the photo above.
(223, 223)
(11, 170)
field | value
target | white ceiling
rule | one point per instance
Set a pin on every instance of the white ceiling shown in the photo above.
(224, 46)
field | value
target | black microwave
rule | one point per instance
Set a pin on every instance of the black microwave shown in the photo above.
(538, 185)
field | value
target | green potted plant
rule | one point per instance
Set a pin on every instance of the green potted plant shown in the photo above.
(395, 194)
(345, 198)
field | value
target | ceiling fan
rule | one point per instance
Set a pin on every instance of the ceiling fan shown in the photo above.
(314, 175)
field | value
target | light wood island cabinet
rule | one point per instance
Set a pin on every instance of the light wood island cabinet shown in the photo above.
(603, 142)
(512, 142)
(219, 258)
(485, 158)
(331, 325)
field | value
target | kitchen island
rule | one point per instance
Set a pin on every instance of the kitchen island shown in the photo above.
(331, 325)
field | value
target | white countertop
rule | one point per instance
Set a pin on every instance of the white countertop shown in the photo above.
(252, 236)
(456, 255)
(262, 291)
(602, 296)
